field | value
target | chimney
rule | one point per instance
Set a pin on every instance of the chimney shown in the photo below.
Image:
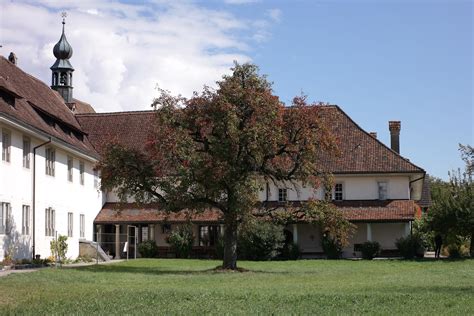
(373, 134)
(394, 127)
(12, 58)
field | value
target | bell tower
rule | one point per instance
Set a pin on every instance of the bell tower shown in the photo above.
(62, 69)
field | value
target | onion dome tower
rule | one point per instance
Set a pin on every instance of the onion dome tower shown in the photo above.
(62, 69)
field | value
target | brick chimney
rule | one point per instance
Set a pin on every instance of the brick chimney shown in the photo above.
(373, 134)
(394, 127)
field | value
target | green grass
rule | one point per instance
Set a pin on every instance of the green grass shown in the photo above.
(292, 287)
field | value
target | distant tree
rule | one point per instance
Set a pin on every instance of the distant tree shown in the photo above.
(216, 149)
(452, 213)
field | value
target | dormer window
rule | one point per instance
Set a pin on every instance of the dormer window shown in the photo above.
(282, 195)
(7, 98)
(382, 188)
(338, 192)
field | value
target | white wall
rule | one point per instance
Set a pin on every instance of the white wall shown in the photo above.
(56, 192)
(356, 187)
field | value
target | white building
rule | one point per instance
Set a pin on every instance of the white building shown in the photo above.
(51, 142)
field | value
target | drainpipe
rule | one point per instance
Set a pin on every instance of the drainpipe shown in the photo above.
(34, 194)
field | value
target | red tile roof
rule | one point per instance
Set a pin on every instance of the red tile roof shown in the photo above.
(359, 151)
(354, 211)
(131, 129)
(34, 100)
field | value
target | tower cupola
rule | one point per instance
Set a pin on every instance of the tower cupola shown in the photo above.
(62, 69)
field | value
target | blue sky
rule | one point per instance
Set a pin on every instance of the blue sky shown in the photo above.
(378, 60)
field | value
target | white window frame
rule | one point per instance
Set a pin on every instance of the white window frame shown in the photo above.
(50, 160)
(70, 168)
(81, 172)
(337, 192)
(6, 145)
(26, 152)
(70, 224)
(25, 220)
(282, 194)
(5, 214)
(50, 222)
(82, 226)
(379, 192)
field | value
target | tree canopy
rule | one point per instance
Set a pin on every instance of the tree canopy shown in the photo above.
(217, 149)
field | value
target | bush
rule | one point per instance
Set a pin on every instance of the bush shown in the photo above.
(370, 249)
(290, 251)
(410, 247)
(331, 247)
(181, 240)
(454, 251)
(148, 249)
(259, 240)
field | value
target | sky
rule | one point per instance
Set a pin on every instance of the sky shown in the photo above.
(378, 60)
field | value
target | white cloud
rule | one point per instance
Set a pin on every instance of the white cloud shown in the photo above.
(240, 1)
(275, 14)
(122, 51)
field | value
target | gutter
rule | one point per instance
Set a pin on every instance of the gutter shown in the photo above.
(34, 195)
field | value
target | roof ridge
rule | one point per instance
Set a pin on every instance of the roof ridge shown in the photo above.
(116, 113)
(376, 139)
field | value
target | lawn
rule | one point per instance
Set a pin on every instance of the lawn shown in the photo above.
(292, 287)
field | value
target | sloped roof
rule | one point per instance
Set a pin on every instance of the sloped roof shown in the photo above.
(359, 151)
(354, 211)
(34, 99)
(130, 129)
(82, 107)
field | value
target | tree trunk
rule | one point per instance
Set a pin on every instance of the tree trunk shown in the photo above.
(230, 241)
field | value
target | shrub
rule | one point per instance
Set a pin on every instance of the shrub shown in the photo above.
(181, 240)
(59, 248)
(148, 249)
(370, 249)
(259, 240)
(290, 251)
(410, 246)
(331, 247)
(454, 251)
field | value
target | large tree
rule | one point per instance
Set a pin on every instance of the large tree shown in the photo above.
(218, 148)
(452, 213)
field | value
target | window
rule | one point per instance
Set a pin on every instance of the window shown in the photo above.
(82, 225)
(96, 179)
(25, 220)
(26, 152)
(70, 223)
(209, 235)
(166, 228)
(5, 213)
(282, 195)
(6, 145)
(70, 163)
(81, 172)
(382, 188)
(49, 222)
(144, 233)
(338, 192)
(50, 161)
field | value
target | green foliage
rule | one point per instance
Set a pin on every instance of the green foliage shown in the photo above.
(331, 247)
(148, 249)
(336, 229)
(452, 213)
(290, 251)
(410, 246)
(370, 250)
(181, 240)
(59, 248)
(259, 240)
(454, 251)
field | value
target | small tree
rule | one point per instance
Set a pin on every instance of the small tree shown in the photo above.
(59, 248)
(259, 240)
